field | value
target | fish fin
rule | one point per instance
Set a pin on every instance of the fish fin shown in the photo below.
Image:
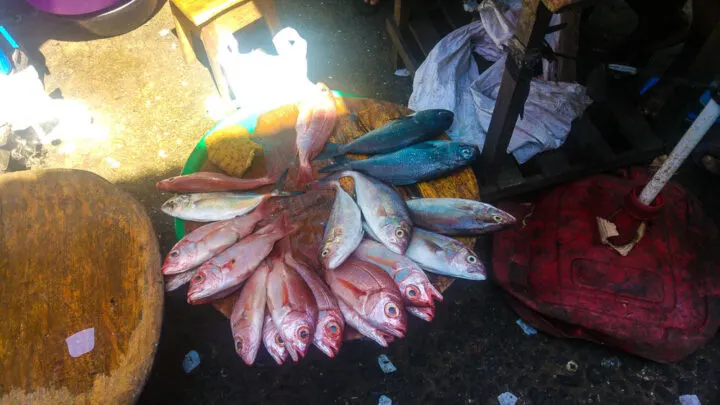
(336, 167)
(331, 150)
(427, 145)
(404, 117)
(279, 184)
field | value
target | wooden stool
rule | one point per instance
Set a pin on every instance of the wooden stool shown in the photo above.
(81, 295)
(209, 18)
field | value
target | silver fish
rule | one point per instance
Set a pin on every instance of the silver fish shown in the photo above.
(446, 256)
(384, 211)
(455, 216)
(343, 231)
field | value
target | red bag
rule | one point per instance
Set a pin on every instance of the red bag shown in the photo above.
(661, 302)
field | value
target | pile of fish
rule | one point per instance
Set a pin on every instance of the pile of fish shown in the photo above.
(375, 251)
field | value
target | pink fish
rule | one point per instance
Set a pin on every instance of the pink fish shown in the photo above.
(272, 340)
(209, 240)
(425, 313)
(229, 269)
(209, 182)
(354, 319)
(175, 281)
(414, 285)
(292, 306)
(372, 293)
(314, 125)
(248, 314)
(330, 323)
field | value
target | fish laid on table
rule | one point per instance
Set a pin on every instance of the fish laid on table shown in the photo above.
(315, 123)
(330, 323)
(414, 164)
(273, 342)
(175, 281)
(395, 135)
(370, 292)
(383, 209)
(413, 283)
(232, 267)
(248, 315)
(210, 207)
(292, 306)
(343, 230)
(209, 181)
(443, 255)
(455, 216)
(209, 240)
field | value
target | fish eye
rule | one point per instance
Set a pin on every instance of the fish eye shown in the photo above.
(333, 328)
(303, 333)
(171, 179)
(497, 218)
(467, 152)
(279, 340)
(238, 345)
(471, 259)
(411, 291)
(325, 252)
(399, 233)
(198, 278)
(391, 310)
(174, 253)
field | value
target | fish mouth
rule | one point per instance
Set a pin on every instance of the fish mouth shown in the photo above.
(277, 356)
(396, 331)
(424, 313)
(330, 350)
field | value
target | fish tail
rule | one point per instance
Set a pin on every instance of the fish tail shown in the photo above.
(305, 174)
(343, 163)
(330, 150)
(280, 184)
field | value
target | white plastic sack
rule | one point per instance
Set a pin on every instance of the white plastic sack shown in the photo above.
(449, 79)
(261, 82)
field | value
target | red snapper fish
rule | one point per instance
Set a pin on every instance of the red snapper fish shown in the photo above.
(330, 323)
(206, 182)
(248, 314)
(370, 292)
(274, 343)
(209, 240)
(292, 306)
(229, 269)
(315, 123)
(414, 285)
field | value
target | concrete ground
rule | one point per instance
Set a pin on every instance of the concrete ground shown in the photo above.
(151, 104)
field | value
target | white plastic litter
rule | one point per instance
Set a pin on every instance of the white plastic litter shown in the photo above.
(402, 72)
(386, 365)
(384, 400)
(507, 398)
(261, 82)
(449, 79)
(527, 329)
(81, 342)
(689, 400)
(191, 360)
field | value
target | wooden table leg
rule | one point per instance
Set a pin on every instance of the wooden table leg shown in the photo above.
(515, 86)
(267, 9)
(184, 30)
(402, 17)
(210, 37)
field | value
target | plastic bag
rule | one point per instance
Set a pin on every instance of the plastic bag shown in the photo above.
(261, 82)
(449, 78)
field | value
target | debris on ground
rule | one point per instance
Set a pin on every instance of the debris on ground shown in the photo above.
(526, 328)
(114, 164)
(384, 400)
(610, 362)
(163, 32)
(81, 342)
(402, 73)
(571, 366)
(690, 399)
(386, 365)
(507, 398)
(191, 360)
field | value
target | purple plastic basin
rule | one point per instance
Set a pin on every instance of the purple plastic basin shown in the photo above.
(72, 7)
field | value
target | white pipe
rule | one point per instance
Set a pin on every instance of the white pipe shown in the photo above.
(687, 143)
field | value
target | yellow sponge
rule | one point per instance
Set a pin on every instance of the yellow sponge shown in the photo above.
(232, 150)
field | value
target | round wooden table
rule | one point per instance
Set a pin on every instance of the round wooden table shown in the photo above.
(81, 294)
(275, 131)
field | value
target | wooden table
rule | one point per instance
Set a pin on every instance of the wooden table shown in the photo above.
(276, 132)
(76, 254)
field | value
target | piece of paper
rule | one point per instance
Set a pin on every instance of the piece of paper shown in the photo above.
(81, 342)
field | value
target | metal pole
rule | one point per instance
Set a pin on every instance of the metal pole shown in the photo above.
(687, 143)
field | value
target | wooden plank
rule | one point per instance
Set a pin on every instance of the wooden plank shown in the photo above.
(553, 163)
(401, 14)
(425, 33)
(401, 46)
(202, 11)
(633, 126)
(509, 175)
(454, 13)
(588, 135)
